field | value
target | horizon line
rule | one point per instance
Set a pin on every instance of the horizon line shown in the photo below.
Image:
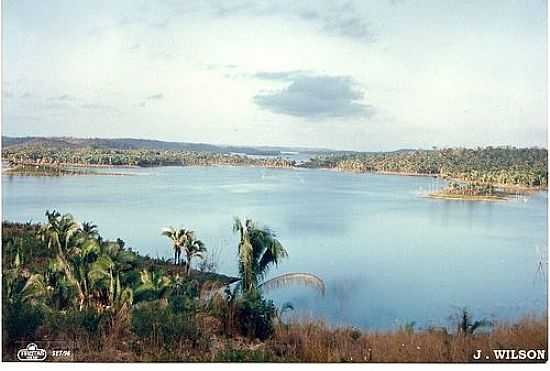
(255, 146)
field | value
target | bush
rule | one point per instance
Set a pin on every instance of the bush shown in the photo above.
(255, 316)
(87, 323)
(20, 321)
(183, 305)
(157, 323)
(88, 320)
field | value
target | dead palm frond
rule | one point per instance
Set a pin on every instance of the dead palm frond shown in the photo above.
(285, 280)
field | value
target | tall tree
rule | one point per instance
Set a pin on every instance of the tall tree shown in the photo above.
(193, 248)
(60, 233)
(259, 250)
(178, 236)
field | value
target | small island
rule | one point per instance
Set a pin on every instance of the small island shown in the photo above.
(472, 192)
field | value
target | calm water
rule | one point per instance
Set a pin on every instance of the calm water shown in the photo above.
(387, 255)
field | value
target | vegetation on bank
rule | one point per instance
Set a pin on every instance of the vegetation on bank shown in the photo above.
(50, 170)
(497, 166)
(482, 173)
(89, 156)
(472, 191)
(61, 280)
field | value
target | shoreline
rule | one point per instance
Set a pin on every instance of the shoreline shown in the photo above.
(518, 189)
(46, 170)
(443, 196)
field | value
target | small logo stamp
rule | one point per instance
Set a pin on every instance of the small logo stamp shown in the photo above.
(32, 353)
(45, 350)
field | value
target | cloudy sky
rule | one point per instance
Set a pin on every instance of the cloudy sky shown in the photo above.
(364, 75)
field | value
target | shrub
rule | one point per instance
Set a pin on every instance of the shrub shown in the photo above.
(21, 320)
(255, 316)
(157, 323)
(87, 323)
(182, 305)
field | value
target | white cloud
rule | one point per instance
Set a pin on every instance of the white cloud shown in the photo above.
(314, 97)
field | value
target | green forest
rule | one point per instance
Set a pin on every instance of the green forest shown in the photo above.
(504, 166)
(51, 157)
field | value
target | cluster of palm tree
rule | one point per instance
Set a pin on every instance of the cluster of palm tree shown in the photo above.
(44, 156)
(84, 263)
(258, 251)
(490, 165)
(80, 272)
(471, 189)
(83, 271)
(184, 240)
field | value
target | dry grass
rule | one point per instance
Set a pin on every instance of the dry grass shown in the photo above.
(317, 342)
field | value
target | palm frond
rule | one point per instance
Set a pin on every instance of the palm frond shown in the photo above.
(143, 289)
(168, 231)
(34, 287)
(288, 279)
(89, 246)
(237, 225)
(273, 253)
(127, 296)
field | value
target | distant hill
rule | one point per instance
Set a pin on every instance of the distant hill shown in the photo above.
(147, 144)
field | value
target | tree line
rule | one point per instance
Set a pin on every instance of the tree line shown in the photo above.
(504, 166)
(33, 155)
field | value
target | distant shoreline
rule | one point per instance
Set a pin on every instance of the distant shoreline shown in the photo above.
(63, 169)
(28, 169)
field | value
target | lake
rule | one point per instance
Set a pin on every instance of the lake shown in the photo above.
(387, 255)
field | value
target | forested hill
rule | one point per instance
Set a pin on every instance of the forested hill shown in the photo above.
(127, 144)
(489, 165)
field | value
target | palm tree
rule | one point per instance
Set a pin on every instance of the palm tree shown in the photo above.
(466, 325)
(153, 285)
(89, 231)
(18, 284)
(258, 251)
(179, 237)
(193, 248)
(122, 300)
(109, 263)
(60, 234)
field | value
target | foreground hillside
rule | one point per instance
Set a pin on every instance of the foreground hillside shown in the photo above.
(61, 280)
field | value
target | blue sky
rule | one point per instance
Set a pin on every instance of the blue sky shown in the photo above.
(365, 75)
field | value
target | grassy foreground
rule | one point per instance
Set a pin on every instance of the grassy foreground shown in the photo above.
(312, 341)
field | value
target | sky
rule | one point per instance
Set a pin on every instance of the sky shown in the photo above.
(358, 75)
